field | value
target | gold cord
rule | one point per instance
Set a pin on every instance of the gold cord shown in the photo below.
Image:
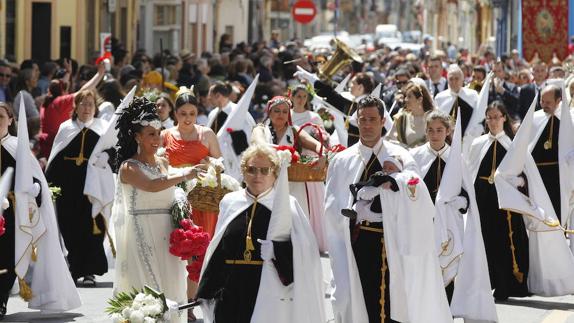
(80, 159)
(548, 143)
(515, 270)
(249, 247)
(493, 169)
(383, 282)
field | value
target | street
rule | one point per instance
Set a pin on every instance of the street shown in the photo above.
(527, 310)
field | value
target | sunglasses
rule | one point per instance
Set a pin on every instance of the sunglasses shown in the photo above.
(5, 75)
(254, 170)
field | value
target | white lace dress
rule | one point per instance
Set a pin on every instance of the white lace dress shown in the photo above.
(143, 225)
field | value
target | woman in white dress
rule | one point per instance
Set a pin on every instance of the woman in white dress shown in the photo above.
(144, 196)
(300, 115)
(284, 133)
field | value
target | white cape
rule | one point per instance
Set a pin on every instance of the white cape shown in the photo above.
(52, 286)
(550, 273)
(417, 293)
(306, 291)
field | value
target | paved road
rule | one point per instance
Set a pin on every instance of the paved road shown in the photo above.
(526, 310)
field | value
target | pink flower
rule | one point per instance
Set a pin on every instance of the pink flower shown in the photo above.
(413, 181)
(230, 130)
(2, 224)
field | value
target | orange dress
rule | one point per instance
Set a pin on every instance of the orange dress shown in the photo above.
(186, 153)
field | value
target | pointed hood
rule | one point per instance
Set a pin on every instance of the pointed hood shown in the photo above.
(565, 147)
(100, 185)
(388, 120)
(236, 118)
(341, 86)
(480, 111)
(280, 223)
(27, 217)
(5, 183)
(451, 181)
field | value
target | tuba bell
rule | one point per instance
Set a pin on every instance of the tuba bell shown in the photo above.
(342, 56)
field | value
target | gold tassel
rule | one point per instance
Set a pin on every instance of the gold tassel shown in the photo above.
(95, 230)
(515, 270)
(25, 290)
(34, 253)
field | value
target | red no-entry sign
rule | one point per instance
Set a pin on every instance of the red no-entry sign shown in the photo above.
(304, 11)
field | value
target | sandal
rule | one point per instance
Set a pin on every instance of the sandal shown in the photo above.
(89, 281)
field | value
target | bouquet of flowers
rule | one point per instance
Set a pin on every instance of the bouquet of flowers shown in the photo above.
(327, 118)
(335, 149)
(56, 192)
(206, 191)
(136, 306)
(187, 241)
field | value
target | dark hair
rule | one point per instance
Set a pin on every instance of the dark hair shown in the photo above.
(303, 88)
(140, 109)
(553, 88)
(111, 91)
(185, 98)
(81, 96)
(164, 96)
(507, 127)
(223, 88)
(27, 63)
(371, 101)
(56, 89)
(49, 68)
(420, 91)
(12, 129)
(366, 81)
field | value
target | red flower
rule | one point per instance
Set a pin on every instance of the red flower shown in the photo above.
(186, 224)
(230, 130)
(338, 148)
(2, 224)
(294, 154)
(413, 181)
(188, 243)
(194, 269)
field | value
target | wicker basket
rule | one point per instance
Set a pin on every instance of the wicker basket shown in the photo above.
(206, 199)
(299, 172)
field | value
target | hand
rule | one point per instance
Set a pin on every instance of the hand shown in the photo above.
(267, 251)
(67, 66)
(304, 75)
(364, 213)
(367, 193)
(102, 160)
(458, 202)
(5, 204)
(320, 163)
(516, 181)
(101, 68)
(36, 188)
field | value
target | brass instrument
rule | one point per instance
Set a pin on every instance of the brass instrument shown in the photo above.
(475, 85)
(342, 56)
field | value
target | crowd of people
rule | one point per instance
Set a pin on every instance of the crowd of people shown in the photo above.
(448, 186)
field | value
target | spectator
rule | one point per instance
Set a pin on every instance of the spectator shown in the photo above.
(48, 71)
(5, 77)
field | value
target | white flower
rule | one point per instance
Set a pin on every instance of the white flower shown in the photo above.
(327, 123)
(126, 312)
(136, 317)
(179, 194)
(149, 320)
(139, 297)
(117, 318)
(284, 156)
(217, 163)
(5, 204)
(136, 305)
(229, 183)
(160, 152)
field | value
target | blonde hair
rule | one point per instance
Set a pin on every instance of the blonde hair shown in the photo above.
(263, 151)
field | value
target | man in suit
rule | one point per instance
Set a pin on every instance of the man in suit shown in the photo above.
(502, 90)
(529, 91)
(436, 82)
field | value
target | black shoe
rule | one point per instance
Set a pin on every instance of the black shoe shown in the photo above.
(2, 310)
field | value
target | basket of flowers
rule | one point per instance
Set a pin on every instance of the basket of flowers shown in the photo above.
(306, 168)
(206, 191)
